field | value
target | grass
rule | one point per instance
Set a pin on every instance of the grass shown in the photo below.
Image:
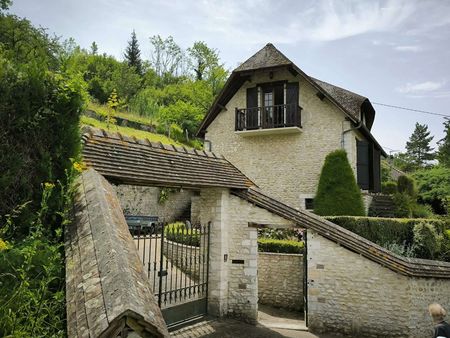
(104, 110)
(89, 121)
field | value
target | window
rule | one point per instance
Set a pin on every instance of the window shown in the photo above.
(309, 203)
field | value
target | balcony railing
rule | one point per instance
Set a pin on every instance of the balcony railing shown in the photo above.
(278, 116)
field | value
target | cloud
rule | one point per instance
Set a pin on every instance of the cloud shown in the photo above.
(421, 88)
(412, 48)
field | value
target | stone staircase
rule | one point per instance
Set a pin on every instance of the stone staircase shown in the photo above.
(382, 206)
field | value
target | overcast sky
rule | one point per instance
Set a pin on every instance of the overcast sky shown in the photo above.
(393, 52)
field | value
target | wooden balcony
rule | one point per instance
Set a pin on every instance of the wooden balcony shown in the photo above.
(273, 119)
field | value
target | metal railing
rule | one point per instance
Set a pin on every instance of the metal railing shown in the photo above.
(277, 116)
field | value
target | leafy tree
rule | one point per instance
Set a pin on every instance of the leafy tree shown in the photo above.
(94, 48)
(133, 54)
(203, 59)
(434, 187)
(167, 58)
(337, 192)
(4, 4)
(403, 161)
(418, 147)
(144, 104)
(443, 154)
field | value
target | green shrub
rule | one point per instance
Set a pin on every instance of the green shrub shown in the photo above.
(422, 211)
(178, 232)
(389, 188)
(290, 234)
(427, 241)
(338, 193)
(403, 205)
(406, 185)
(445, 247)
(386, 230)
(280, 245)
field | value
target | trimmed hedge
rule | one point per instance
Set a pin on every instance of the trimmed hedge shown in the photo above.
(385, 231)
(177, 232)
(337, 192)
(280, 246)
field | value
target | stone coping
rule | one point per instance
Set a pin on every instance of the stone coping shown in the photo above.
(278, 253)
(107, 291)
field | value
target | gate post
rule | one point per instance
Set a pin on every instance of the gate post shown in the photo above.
(214, 203)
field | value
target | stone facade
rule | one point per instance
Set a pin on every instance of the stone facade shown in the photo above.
(233, 282)
(280, 280)
(143, 201)
(352, 295)
(286, 166)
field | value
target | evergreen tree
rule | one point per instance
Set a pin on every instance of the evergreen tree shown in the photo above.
(337, 192)
(444, 146)
(133, 54)
(94, 48)
(418, 147)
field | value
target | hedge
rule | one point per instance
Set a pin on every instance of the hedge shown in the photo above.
(280, 246)
(385, 230)
(177, 232)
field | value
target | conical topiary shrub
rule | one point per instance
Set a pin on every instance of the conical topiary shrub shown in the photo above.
(338, 192)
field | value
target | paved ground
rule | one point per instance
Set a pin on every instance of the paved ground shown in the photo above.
(273, 322)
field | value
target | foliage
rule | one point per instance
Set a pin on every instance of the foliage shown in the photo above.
(144, 104)
(203, 59)
(426, 240)
(443, 154)
(434, 187)
(445, 246)
(94, 48)
(280, 245)
(422, 211)
(406, 185)
(178, 232)
(167, 58)
(133, 54)
(103, 111)
(404, 162)
(290, 233)
(4, 4)
(389, 187)
(401, 231)
(140, 134)
(403, 205)
(418, 147)
(338, 193)
(164, 194)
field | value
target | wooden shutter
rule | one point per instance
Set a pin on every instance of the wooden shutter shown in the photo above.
(376, 170)
(292, 113)
(362, 164)
(252, 97)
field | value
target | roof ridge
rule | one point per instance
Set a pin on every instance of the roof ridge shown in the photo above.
(330, 84)
(90, 132)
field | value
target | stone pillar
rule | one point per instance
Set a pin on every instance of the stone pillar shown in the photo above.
(214, 203)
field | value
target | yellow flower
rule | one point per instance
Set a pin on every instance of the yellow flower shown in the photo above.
(79, 166)
(3, 245)
(48, 185)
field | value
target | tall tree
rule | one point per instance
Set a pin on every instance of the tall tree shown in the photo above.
(443, 154)
(133, 54)
(167, 57)
(94, 48)
(418, 147)
(203, 59)
(4, 4)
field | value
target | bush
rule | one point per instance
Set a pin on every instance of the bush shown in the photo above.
(338, 193)
(389, 188)
(280, 246)
(445, 246)
(290, 234)
(383, 231)
(422, 211)
(177, 232)
(406, 185)
(427, 241)
(404, 205)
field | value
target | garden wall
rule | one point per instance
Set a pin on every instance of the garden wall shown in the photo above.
(352, 295)
(187, 258)
(142, 201)
(280, 280)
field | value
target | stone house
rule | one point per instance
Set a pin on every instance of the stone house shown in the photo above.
(277, 124)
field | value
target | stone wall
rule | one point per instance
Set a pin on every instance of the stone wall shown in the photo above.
(352, 295)
(233, 282)
(186, 257)
(285, 166)
(140, 200)
(280, 280)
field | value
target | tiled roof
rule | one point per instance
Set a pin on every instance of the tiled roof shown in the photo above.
(406, 266)
(107, 290)
(266, 57)
(128, 160)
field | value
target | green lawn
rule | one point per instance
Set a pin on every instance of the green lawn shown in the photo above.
(89, 121)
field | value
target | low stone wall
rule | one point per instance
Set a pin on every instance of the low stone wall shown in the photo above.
(140, 200)
(280, 280)
(187, 258)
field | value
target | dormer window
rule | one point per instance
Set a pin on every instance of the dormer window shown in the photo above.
(270, 105)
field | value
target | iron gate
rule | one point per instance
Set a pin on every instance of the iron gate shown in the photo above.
(176, 259)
